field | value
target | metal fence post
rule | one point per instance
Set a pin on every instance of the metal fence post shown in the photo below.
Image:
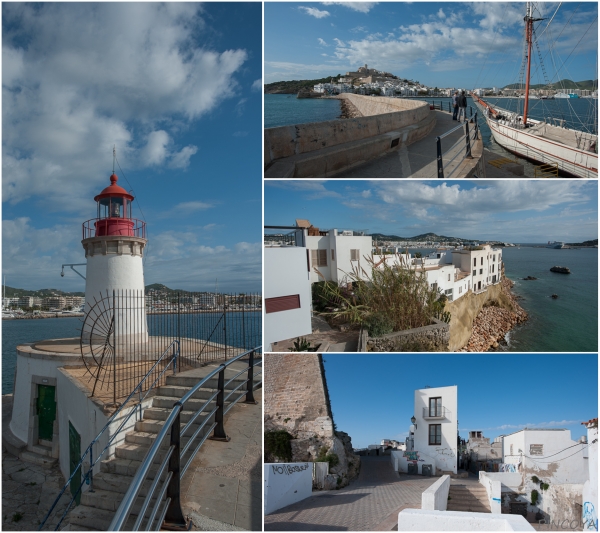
(440, 164)
(174, 518)
(467, 137)
(250, 384)
(91, 478)
(225, 325)
(219, 433)
(476, 134)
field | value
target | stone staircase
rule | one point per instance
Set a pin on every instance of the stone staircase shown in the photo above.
(468, 497)
(97, 508)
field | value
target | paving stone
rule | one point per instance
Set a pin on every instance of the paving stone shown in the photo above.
(360, 506)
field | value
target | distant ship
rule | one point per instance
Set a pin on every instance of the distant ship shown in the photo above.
(556, 245)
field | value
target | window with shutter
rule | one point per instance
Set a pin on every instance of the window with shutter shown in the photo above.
(323, 258)
(314, 261)
(354, 255)
(282, 303)
(333, 255)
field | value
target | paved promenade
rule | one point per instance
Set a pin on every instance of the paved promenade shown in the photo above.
(372, 502)
(222, 490)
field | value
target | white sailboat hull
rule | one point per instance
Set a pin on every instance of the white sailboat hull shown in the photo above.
(574, 161)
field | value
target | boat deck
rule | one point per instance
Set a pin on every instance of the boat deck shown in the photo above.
(563, 135)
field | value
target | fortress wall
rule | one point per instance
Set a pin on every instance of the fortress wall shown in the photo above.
(296, 393)
(380, 115)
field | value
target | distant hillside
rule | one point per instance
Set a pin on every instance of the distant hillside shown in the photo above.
(563, 84)
(292, 87)
(12, 292)
(584, 243)
(420, 238)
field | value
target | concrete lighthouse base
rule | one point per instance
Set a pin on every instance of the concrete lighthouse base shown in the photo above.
(83, 406)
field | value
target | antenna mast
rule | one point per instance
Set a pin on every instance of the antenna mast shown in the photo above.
(114, 156)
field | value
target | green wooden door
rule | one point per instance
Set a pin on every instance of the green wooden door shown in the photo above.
(74, 458)
(46, 411)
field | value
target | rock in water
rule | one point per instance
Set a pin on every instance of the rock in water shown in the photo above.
(529, 278)
(560, 270)
(554, 296)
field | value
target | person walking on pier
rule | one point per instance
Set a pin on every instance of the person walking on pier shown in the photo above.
(462, 106)
(455, 105)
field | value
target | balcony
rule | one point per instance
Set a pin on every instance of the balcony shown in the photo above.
(435, 414)
(104, 227)
(281, 239)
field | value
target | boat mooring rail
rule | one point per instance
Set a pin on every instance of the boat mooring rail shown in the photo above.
(168, 513)
(88, 478)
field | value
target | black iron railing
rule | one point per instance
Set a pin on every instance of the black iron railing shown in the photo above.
(161, 506)
(467, 138)
(125, 331)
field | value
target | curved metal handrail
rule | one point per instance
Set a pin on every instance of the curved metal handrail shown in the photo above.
(89, 475)
(172, 428)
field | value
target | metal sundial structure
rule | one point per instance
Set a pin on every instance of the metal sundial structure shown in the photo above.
(97, 342)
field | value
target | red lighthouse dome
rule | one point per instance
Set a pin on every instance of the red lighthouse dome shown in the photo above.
(114, 211)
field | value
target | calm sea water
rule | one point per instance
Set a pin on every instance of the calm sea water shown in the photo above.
(286, 109)
(15, 332)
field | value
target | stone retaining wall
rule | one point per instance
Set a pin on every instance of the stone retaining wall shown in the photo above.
(380, 115)
(434, 337)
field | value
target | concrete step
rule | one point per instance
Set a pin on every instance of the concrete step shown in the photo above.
(177, 391)
(193, 404)
(42, 450)
(110, 501)
(121, 467)
(36, 458)
(162, 413)
(118, 484)
(90, 517)
(472, 508)
(212, 383)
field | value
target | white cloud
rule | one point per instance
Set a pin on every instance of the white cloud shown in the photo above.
(181, 159)
(366, 194)
(93, 75)
(361, 7)
(155, 151)
(189, 207)
(257, 85)
(339, 43)
(314, 12)
(322, 42)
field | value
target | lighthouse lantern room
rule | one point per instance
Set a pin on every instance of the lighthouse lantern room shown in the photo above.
(114, 245)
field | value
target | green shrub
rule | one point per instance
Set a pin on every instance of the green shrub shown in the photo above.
(278, 444)
(544, 486)
(330, 458)
(534, 496)
(395, 290)
(535, 479)
(379, 324)
(302, 345)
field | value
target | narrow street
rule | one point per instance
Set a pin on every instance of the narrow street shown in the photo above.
(362, 506)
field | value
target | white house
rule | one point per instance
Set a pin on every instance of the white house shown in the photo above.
(433, 434)
(287, 293)
(550, 454)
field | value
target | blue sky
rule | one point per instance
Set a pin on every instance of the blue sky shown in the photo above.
(511, 210)
(440, 44)
(177, 88)
(372, 397)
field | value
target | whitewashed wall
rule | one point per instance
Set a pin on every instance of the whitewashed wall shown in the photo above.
(285, 484)
(286, 273)
(423, 520)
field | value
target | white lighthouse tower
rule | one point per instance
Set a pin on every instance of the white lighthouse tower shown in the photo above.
(114, 245)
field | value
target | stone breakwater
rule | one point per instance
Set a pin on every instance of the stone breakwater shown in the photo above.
(349, 110)
(492, 323)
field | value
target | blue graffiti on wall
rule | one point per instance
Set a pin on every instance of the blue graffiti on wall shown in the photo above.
(411, 456)
(590, 520)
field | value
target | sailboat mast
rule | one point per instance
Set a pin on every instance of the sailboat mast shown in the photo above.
(529, 39)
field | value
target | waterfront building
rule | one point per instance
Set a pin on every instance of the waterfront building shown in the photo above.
(25, 301)
(55, 302)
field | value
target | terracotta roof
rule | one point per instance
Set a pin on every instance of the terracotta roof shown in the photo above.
(592, 423)
(302, 223)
